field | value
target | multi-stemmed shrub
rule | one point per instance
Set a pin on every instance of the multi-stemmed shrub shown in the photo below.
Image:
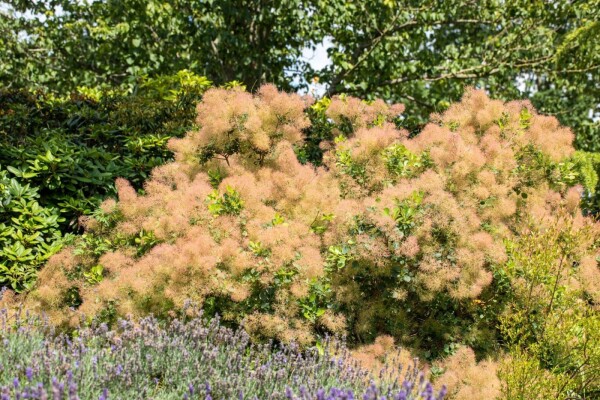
(188, 358)
(391, 235)
(552, 324)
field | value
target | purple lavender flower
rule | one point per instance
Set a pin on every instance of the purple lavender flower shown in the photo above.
(104, 395)
(401, 395)
(150, 358)
(321, 394)
(443, 392)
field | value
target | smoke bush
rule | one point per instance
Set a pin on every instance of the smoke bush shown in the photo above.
(388, 231)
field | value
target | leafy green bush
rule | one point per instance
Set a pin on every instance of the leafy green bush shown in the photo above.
(72, 149)
(29, 233)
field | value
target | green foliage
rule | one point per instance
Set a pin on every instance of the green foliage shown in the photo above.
(350, 167)
(534, 166)
(587, 166)
(550, 324)
(314, 305)
(175, 88)
(73, 149)
(62, 156)
(320, 131)
(93, 245)
(95, 274)
(144, 241)
(215, 176)
(69, 44)
(338, 257)
(29, 233)
(229, 203)
(404, 164)
(321, 223)
(405, 213)
(513, 50)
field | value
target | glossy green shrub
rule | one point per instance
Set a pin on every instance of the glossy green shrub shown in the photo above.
(72, 149)
(29, 233)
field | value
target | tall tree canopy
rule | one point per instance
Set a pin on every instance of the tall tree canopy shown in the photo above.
(64, 43)
(421, 53)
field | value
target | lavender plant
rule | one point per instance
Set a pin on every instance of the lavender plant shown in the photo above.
(186, 358)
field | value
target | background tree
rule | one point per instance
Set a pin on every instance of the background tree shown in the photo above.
(423, 53)
(64, 44)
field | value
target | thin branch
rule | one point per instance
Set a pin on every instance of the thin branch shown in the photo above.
(362, 52)
(468, 73)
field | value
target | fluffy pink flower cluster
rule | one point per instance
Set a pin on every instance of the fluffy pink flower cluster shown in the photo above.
(440, 203)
